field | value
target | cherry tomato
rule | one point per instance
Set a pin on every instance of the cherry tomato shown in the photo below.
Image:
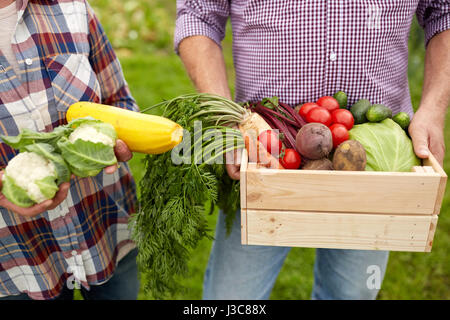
(328, 103)
(304, 109)
(270, 141)
(319, 114)
(291, 159)
(339, 133)
(343, 116)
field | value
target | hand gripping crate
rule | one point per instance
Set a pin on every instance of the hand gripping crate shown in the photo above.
(396, 211)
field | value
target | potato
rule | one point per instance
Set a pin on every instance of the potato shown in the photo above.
(320, 164)
(314, 141)
(350, 156)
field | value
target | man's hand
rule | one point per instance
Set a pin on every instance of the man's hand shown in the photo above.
(123, 154)
(37, 208)
(234, 168)
(427, 133)
(205, 65)
(427, 126)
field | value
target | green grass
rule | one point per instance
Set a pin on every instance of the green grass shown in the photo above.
(155, 73)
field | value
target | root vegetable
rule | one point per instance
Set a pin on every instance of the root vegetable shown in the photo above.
(314, 141)
(350, 156)
(319, 164)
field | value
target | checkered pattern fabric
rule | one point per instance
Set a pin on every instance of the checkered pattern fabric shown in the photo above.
(301, 50)
(64, 57)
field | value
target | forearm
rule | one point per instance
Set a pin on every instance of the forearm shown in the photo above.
(427, 126)
(436, 86)
(205, 65)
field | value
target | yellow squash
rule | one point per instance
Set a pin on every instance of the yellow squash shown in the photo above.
(141, 132)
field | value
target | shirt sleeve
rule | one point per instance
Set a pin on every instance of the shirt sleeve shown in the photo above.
(106, 65)
(433, 16)
(201, 18)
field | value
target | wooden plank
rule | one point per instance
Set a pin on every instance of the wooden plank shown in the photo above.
(418, 169)
(243, 178)
(244, 227)
(431, 161)
(338, 230)
(433, 226)
(342, 191)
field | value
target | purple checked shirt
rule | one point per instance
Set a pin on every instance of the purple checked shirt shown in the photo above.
(301, 50)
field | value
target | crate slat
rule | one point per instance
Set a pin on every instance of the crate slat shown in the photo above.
(339, 230)
(432, 162)
(342, 191)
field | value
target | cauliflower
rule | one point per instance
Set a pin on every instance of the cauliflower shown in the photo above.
(32, 174)
(87, 132)
(89, 148)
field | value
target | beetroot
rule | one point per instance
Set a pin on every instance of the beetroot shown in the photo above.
(314, 141)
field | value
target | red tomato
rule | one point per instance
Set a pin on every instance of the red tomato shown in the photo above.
(291, 159)
(339, 133)
(320, 115)
(343, 116)
(304, 109)
(328, 103)
(270, 141)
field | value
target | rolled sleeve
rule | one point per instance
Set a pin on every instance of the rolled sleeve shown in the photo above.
(201, 18)
(434, 17)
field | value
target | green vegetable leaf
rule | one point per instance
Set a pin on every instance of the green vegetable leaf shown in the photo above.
(47, 186)
(47, 151)
(387, 146)
(27, 137)
(14, 193)
(86, 158)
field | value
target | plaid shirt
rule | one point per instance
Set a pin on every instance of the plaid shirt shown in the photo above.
(64, 56)
(301, 50)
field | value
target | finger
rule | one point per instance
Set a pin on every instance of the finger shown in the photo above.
(437, 148)
(419, 137)
(60, 196)
(123, 153)
(30, 211)
(233, 171)
(111, 169)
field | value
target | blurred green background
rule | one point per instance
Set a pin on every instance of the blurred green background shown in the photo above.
(141, 31)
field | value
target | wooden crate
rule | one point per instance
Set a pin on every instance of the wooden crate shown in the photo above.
(395, 211)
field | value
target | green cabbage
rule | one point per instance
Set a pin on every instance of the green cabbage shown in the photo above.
(387, 146)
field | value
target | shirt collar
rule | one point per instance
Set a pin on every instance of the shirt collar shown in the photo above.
(21, 5)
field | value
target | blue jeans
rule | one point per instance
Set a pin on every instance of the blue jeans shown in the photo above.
(247, 272)
(123, 285)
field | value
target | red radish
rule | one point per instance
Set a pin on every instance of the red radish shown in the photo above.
(269, 139)
(305, 108)
(320, 115)
(251, 128)
(343, 116)
(290, 159)
(339, 133)
(328, 103)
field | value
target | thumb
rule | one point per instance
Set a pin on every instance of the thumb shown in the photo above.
(419, 139)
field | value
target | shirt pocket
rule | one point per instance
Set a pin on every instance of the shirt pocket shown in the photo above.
(72, 79)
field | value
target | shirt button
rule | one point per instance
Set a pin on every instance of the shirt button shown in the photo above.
(333, 56)
(28, 62)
